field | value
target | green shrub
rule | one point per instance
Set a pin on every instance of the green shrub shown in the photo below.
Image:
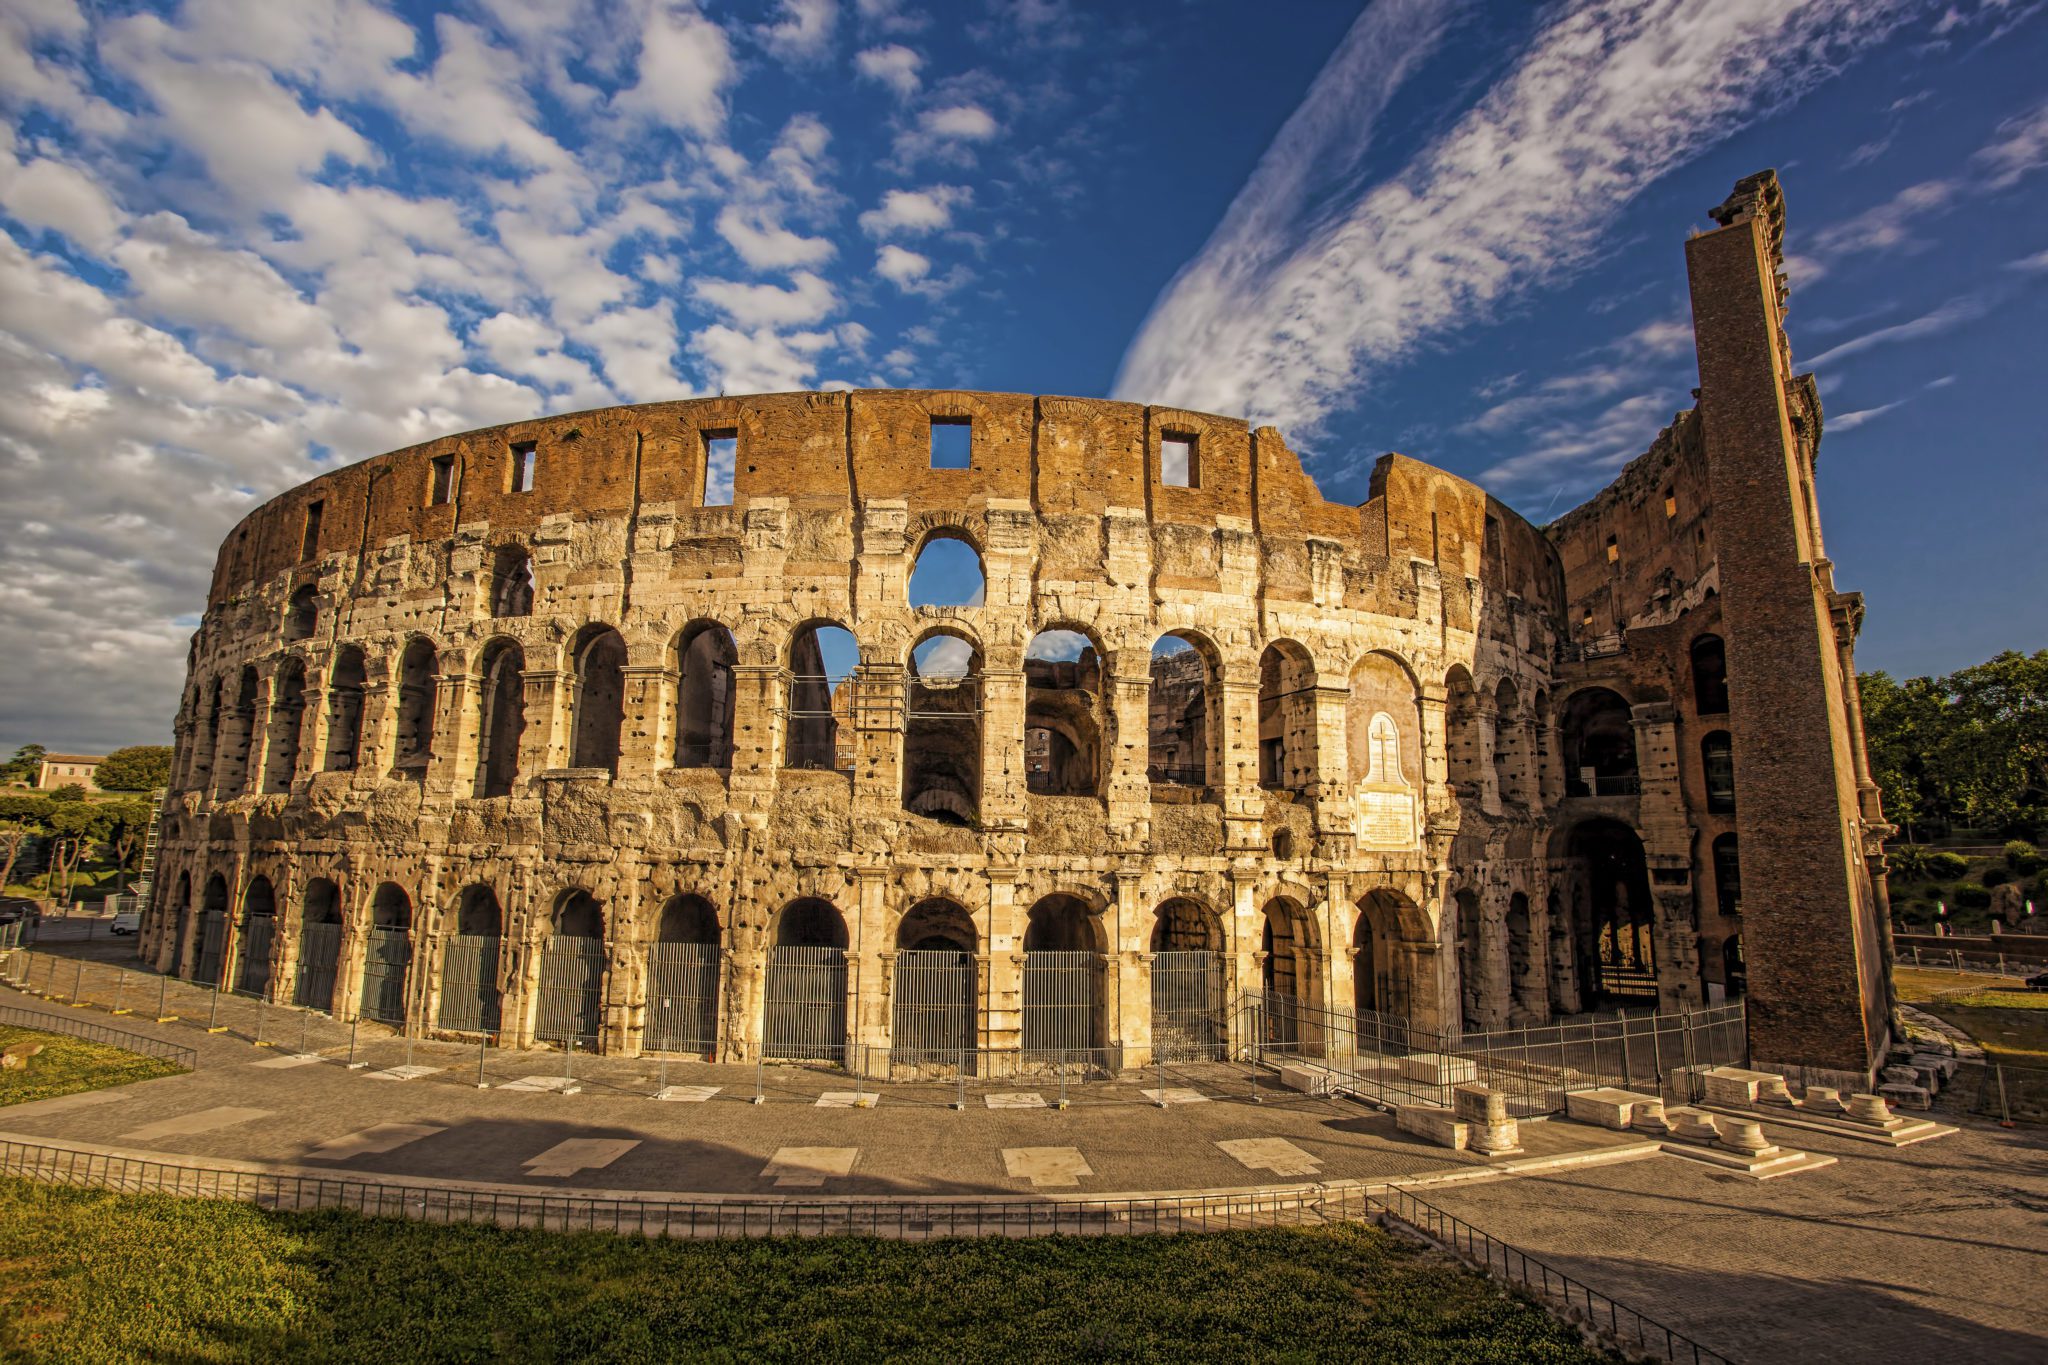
(1907, 861)
(1972, 895)
(1943, 866)
(2022, 857)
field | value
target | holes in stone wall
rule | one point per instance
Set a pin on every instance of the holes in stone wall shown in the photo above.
(521, 467)
(309, 541)
(721, 458)
(1179, 460)
(441, 481)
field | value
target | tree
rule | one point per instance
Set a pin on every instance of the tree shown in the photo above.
(76, 826)
(1970, 748)
(137, 768)
(71, 791)
(127, 823)
(25, 766)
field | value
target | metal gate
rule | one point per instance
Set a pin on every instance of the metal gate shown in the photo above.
(805, 1006)
(257, 932)
(319, 950)
(213, 933)
(1062, 1002)
(386, 955)
(933, 1020)
(571, 990)
(1187, 1006)
(682, 998)
(469, 983)
(1279, 1021)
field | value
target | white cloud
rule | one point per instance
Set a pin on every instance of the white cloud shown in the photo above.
(1284, 321)
(52, 194)
(1947, 317)
(810, 299)
(685, 65)
(765, 244)
(894, 65)
(1849, 421)
(900, 267)
(912, 213)
(948, 132)
(759, 361)
(804, 32)
(2037, 261)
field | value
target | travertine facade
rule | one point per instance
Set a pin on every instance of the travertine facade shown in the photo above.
(524, 688)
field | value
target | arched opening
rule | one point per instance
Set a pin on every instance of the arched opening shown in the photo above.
(942, 732)
(1179, 715)
(1466, 764)
(319, 945)
(235, 740)
(1286, 972)
(1287, 718)
(1599, 745)
(804, 995)
(287, 721)
(1710, 676)
(1383, 736)
(204, 742)
(259, 925)
(213, 931)
(705, 655)
(1525, 968)
(504, 719)
(946, 573)
(572, 974)
(471, 1001)
(1510, 745)
(682, 979)
(344, 711)
(1187, 983)
(1606, 858)
(600, 655)
(933, 989)
(302, 614)
(1727, 876)
(1063, 701)
(387, 955)
(1471, 962)
(419, 670)
(512, 582)
(181, 910)
(823, 662)
(1063, 982)
(1717, 766)
(1380, 989)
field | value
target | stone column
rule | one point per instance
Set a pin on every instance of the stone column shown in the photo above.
(1128, 789)
(757, 739)
(1436, 755)
(1234, 762)
(1243, 958)
(1000, 969)
(1486, 723)
(1003, 781)
(1129, 1004)
(377, 743)
(870, 978)
(458, 724)
(644, 723)
(542, 745)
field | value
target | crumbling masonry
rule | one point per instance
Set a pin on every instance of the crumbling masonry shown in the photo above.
(514, 732)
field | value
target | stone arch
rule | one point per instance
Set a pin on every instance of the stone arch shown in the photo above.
(683, 975)
(258, 933)
(387, 955)
(1186, 968)
(1287, 718)
(419, 667)
(1599, 744)
(570, 1005)
(821, 692)
(1510, 744)
(302, 613)
(1709, 675)
(234, 777)
(1472, 973)
(512, 582)
(1604, 864)
(1287, 975)
(1064, 969)
(1717, 771)
(1466, 762)
(942, 728)
(1380, 979)
(181, 917)
(1525, 962)
(503, 727)
(472, 999)
(804, 992)
(1383, 740)
(704, 657)
(932, 1013)
(287, 723)
(213, 931)
(1184, 711)
(598, 656)
(1065, 713)
(941, 576)
(345, 682)
(320, 932)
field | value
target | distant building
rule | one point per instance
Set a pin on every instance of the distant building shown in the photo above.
(69, 770)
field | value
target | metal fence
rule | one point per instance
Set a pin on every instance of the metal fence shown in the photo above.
(1187, 1005)
(2015, 955)
(99, 1033)
(682, 998)
(257, 934)
(932, 1016)
(319, 951)
(571, 1008)
(2013, 1094)
(1063, 1002)
(386, 955)
(213, 933)
(805, 997)
(469, 983)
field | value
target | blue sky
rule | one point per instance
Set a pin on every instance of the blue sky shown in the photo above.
(242, 241)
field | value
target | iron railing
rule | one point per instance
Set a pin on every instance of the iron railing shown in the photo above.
(254, 976)
(319, 954)
(805, 1002)
(1188, 1005)
(682, 998)
(470, 1000)
(386, 955)
(571, 1007)
(933, 1012)
(1063, 1002)
(2012, 1094)
(74, 1027)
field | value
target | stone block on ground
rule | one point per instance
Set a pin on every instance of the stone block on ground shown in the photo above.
(1734, 1085)
(1694, 1125)
(1491, 1130)
(1438, 1068)
(1308, 1080)
(1608, 1107)
(1433, 1124)
(1746, 1137)
(1822, 1099)
(1908, 1096)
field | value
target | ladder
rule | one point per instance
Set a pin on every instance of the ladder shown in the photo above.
(138, 890)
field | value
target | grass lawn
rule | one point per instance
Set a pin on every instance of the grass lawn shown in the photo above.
(67, 1065)
(93, 1276)
(2010, 1025)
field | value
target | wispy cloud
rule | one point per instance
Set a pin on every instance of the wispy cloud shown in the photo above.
(1284, 322)
(1849, 421)
(1950, 315)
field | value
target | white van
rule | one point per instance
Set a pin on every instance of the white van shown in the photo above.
(127, 922)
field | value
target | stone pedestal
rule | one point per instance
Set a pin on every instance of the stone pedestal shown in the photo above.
(1694, 1126)
(1492, 1130)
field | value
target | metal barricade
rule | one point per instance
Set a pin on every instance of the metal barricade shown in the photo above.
(319, 952)
(1187, 1006)
(469, 983)
(387, 953)
(682, 998)
(805, 1005)
(1063, 1001)
(213, 934)
(254, 976)
(933, 1012)
(571, 990)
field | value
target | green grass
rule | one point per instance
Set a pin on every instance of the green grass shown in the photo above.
(67, 1065)
(92, 1276)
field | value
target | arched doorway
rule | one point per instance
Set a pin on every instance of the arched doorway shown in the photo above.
(1187, 983)
(572, 974)
(182, 909)
(1287, 718)
(1599, 745)
(470, 997)
(705, 656)
(804, 996)
(1471, 962)
(682, 979)
(942, 731)
(1063, 697)
(319, 945)
(213, 931)
(504, 718)
(1618, 937)
(1287, 973)
(1063, 986)
(933, 1009)
(599, 712)
(387, 952)
(259, 921)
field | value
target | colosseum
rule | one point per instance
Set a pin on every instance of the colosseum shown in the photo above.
(628, 728)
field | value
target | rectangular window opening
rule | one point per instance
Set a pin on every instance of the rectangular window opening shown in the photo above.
(1178, 466)
(525, 456)
(1613, 551)
(721, 455)
(952, 442)
(442, 490)
(310, 545)
(1670, 505)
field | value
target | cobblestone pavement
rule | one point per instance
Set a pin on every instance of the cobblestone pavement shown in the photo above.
(1932, 1253)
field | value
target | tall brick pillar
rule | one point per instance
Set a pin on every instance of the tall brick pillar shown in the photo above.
(1816, 979)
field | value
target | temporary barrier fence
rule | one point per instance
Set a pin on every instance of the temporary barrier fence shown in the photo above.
(682, 998)
(1188, 1006)
(571, 1008)
(932, 1021)
(1063, 1002)
(319, 953)
(805, 1000)
(470, 998)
